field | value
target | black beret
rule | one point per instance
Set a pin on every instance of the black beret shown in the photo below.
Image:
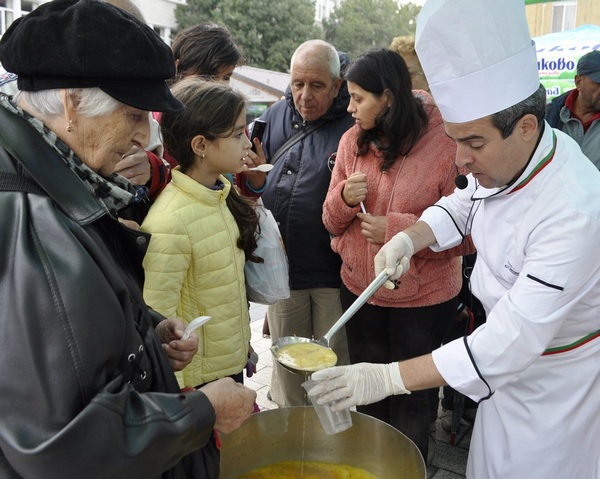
(89, 43)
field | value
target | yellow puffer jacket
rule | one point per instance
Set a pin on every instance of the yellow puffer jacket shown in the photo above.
(194, 268)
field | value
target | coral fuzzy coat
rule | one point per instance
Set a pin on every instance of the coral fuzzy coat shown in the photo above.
(401, 194)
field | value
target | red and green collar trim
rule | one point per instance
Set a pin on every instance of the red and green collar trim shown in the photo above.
(539, 167)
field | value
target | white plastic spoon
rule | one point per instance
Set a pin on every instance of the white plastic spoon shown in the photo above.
(194, 324)
(265, 168)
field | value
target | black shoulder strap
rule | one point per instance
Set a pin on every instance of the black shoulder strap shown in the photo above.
(14, 182)
(296, 138)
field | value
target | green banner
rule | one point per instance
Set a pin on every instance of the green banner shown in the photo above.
(558, 54)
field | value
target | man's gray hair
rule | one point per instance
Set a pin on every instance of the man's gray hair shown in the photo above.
(49, 103)
(333, 58)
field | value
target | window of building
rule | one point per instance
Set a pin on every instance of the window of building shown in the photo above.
(563, 16)
(163, 32)
(8, 13)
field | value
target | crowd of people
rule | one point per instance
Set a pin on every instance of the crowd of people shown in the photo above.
(128, 209)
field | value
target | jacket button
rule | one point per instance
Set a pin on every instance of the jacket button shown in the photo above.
(141, 240)
(288, 172)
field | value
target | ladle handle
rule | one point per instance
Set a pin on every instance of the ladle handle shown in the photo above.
(354, 307)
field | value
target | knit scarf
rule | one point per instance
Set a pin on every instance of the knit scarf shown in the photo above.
(114, 192)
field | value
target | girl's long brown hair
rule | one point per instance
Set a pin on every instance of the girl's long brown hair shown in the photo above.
(211, 110)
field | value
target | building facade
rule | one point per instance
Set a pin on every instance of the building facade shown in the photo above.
(544, 17)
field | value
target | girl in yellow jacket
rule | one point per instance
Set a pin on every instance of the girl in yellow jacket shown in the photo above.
(203, 230)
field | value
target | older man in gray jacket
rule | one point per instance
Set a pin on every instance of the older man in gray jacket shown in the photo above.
(314, 103)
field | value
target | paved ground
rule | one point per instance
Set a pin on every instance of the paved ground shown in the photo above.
(449, 461)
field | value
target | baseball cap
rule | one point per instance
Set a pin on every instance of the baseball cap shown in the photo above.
(589, 65)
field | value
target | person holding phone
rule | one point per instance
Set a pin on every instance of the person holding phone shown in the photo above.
(316, 98)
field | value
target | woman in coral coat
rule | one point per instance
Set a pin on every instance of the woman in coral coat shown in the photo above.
(395, 162)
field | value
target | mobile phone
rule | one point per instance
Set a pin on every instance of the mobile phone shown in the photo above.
(258, 128)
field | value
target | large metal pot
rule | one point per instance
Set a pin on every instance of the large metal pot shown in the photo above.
(295, 433)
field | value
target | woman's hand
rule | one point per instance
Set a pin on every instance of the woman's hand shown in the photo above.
(373, 227)
(355, 189)
(180, 353)
(233, 403)
(135, 166)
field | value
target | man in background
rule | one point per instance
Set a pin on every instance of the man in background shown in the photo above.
(577, 112)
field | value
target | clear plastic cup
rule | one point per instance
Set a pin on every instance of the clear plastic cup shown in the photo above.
(332, 421)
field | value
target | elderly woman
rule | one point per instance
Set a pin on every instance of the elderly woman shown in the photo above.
(87, 387)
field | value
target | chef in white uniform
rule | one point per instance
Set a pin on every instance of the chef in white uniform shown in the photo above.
(532, 207)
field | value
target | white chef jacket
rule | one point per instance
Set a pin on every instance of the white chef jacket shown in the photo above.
(538, 276)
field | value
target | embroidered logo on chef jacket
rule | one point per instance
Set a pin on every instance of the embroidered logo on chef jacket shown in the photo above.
(510, 268)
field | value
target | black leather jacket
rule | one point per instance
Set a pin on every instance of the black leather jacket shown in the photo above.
(86, 390)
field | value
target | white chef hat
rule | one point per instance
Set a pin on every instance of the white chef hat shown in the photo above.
(477, 55)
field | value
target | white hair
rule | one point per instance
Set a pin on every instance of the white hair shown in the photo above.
(322, 48)
(49, 103)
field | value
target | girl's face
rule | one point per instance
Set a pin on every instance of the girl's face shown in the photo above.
(365, 106)
(228, 155)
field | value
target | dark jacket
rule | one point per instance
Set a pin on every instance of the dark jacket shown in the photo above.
(298, 184)
(85, 387)
(553, 110)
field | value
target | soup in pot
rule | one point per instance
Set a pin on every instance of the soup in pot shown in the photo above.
(307, 470)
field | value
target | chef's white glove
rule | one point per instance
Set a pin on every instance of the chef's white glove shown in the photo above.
(357, 385)
(394, 257)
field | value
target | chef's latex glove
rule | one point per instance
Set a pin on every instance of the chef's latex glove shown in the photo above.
(394, 257)
(357, 385)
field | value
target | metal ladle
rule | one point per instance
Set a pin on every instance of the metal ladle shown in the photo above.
(324, 341)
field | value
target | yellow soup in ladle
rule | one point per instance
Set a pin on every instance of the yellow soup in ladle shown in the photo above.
(306, 356)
